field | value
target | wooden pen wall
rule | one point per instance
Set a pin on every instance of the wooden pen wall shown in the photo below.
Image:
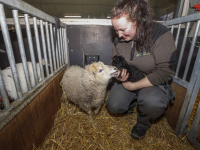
(34, 122)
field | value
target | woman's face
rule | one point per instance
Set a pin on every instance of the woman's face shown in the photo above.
(124, 28)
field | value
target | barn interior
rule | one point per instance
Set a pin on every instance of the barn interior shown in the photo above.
(38, 120)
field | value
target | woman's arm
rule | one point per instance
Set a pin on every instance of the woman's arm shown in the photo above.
(133, 85)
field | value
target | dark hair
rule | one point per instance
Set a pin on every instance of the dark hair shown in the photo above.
(138, 11)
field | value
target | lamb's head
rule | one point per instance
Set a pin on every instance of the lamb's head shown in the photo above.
(102, 72)
(119, 61)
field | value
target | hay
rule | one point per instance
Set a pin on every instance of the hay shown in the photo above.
(107, 132)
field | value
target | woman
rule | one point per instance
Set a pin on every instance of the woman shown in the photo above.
(150, 47)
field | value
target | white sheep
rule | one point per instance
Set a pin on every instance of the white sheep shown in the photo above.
(9, 82)
(86, 87)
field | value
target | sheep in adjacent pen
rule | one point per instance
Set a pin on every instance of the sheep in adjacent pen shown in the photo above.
(86, 87)
(9, 81)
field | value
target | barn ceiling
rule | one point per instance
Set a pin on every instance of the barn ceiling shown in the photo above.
(98, 9)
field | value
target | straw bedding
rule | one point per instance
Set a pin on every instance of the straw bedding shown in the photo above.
(107, 132)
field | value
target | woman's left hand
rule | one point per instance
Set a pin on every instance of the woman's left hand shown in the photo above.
(124, 75)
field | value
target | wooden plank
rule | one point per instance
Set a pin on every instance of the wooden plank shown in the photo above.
(27, 128)
(48, 121)
(16, 141)
(51, 95)
(56, 87)
(10, 137)
(37, 111)
(173, 111)
(56, 96)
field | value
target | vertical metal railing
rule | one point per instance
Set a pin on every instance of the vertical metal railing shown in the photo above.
(9, 50)
(191, 51)
(59, 49)
(67, 47)
(44, 47)
(53, 50)
(56, 47)
(38, 47)
(30, 43)
(191, 86)
(53, 47)
(49, 47)
(178, 34)
(21, 48)
(182, 49)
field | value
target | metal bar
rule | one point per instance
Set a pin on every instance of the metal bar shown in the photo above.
(48, 46)
(27, 9)
(9, 50)
(4, 93)
(30, 44)
(59, 51)
(172, 29)
(191, 51)
(61, 45)
(184, 19)
(21, 48)
(179, 8)
(53, 47)
(38, 47)
(44, 48)
(191, 103)
(178, 34)
(185, 110)
(182, 49)
(67, 48)
(64, 46)
(56, 45)
(195, 124)
(180, 82)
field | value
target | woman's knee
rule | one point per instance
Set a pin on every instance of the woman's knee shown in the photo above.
(116, 107)
(152, 101)
(146, 106)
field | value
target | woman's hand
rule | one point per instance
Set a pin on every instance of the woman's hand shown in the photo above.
(124, 75)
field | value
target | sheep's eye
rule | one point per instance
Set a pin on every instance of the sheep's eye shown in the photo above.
(100, 70)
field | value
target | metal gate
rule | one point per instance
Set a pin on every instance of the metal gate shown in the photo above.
(55, 52)
(192, 86)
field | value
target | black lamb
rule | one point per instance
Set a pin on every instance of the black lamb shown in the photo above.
(134, 74)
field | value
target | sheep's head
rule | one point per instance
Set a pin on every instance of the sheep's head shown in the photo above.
(119, 61)
(102, 72)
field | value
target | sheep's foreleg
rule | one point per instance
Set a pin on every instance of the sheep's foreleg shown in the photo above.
(90, 115)
(97, 110)
(66, 106)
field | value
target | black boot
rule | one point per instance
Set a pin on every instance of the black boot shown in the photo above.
(139, 131)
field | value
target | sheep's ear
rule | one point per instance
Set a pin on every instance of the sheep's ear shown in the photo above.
(91, 69)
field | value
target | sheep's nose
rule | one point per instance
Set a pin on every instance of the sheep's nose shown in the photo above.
(115, 68)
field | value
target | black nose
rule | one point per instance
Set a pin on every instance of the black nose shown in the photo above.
(115, 68)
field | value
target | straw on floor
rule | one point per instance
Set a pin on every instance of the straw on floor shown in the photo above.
(107, 132)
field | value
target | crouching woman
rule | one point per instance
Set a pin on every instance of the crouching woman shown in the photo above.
(150, 47)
